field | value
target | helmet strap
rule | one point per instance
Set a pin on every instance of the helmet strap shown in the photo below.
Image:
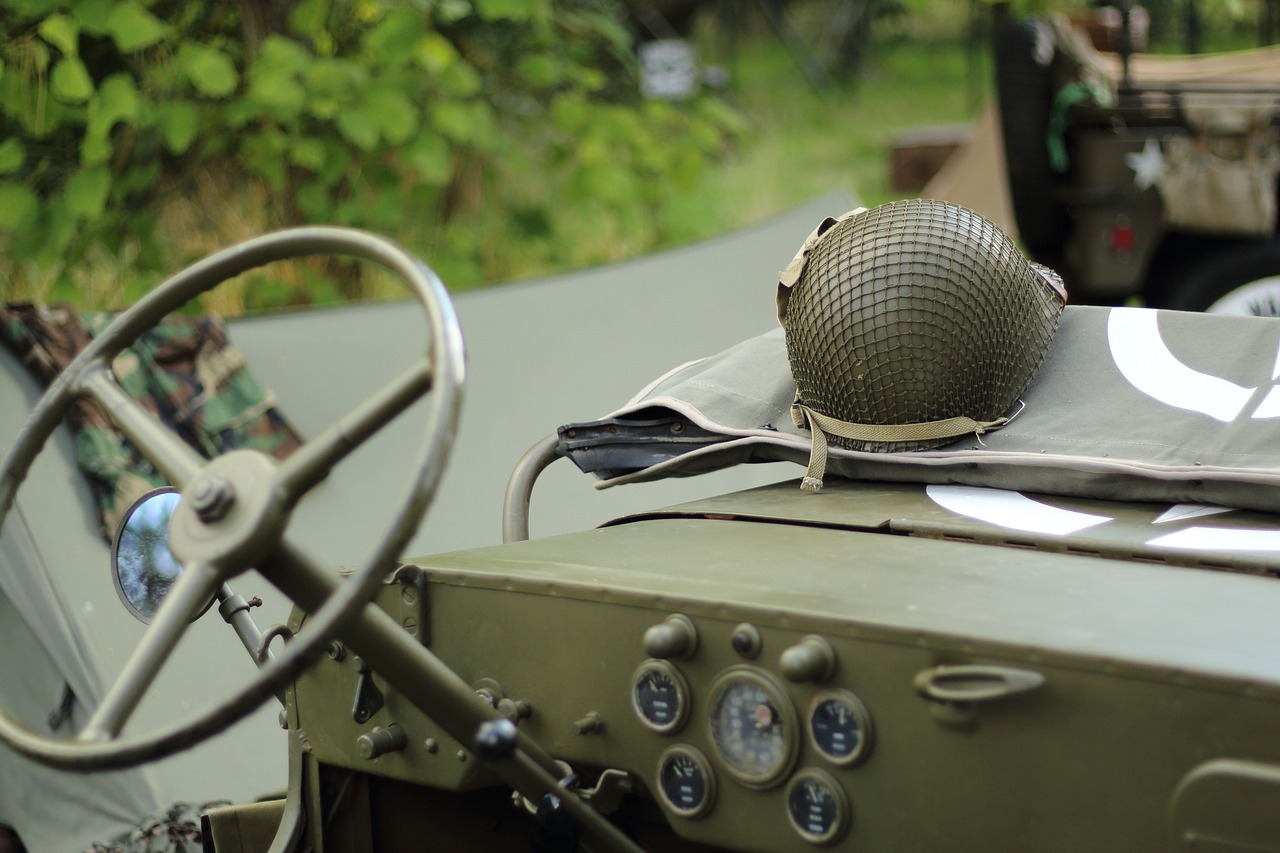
(822, 426)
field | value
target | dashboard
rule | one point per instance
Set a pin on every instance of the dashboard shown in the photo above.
(797, 687)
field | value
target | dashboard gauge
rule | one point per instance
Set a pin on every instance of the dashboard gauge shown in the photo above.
(660, 696)
(817, 807)
(753, 726)
(685, 781)
(840, 727)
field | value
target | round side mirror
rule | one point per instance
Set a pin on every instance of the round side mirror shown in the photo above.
(142, 566)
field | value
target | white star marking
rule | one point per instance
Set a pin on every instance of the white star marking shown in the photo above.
(1148, 166)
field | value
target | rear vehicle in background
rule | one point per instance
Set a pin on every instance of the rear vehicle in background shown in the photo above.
(1143, 176)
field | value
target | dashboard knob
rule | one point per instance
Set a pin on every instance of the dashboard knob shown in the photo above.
(674, 637)
(496, 739)
(811, 659)
(591, 724)
(380, 741)
(746, 640)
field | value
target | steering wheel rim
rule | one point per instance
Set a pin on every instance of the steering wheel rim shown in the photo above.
(442, 373)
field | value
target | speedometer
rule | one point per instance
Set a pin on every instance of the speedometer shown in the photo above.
(753, 726)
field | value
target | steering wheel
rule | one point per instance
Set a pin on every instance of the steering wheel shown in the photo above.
(235, 509)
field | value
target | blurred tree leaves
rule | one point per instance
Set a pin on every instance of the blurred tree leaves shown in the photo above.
(405, 116)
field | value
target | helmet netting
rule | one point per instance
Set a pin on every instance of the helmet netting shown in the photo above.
(917, 311)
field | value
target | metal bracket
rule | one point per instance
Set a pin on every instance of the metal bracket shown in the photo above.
(611, 788)
(956, 692)
(369, 699)
(415, 614)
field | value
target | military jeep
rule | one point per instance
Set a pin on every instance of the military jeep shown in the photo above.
(1059, 635)
(1143, 176)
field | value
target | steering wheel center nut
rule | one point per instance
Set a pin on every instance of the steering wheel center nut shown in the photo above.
(212, 497)
(229, 515)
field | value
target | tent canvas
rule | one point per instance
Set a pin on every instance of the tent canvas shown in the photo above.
(541, 352)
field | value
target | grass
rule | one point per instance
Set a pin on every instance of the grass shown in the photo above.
(804, 142)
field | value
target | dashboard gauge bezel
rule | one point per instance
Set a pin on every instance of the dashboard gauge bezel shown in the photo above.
(865, 723)
(776, 692)
(681, 750)
(673, 674)
(844, 812)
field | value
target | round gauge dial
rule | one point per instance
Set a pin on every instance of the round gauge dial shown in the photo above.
(840, 727)
(817, 807)
(660, 696)
(753, 726)
(686, 782)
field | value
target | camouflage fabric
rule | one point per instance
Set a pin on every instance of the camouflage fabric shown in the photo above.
(183, 371)
(176, 831)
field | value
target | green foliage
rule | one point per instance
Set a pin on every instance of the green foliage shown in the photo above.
(131, 127)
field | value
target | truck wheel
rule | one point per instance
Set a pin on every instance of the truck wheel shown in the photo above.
(1023, 59)
(1240, 279)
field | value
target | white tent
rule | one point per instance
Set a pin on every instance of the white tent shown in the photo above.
(541, 353)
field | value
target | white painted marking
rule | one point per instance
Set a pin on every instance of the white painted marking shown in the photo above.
(1270, 405)
(1142, 357)
(1220, 539)
(1181, 512)
(1148, 165)
(1012, 510)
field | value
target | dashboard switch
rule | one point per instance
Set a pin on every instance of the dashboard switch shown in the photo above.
(380, 741)
(811, 659)
(673, 637)
(591, 724)
(746, 641)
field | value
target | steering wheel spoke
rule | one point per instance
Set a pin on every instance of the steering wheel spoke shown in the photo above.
(189, 595)
(173, 458)
(311, 463)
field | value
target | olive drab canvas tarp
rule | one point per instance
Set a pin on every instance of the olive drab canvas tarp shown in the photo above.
(539, 353)
(1130, 404)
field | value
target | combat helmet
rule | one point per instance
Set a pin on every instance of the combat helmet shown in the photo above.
(910, 325)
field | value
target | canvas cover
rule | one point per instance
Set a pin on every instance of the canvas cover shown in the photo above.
(1220, 178)
(1130, 404)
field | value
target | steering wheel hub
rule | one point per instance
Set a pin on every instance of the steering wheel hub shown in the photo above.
(229, 515)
